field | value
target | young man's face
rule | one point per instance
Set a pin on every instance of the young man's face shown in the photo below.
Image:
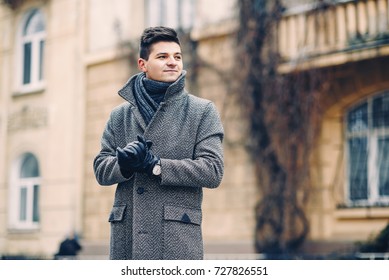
(164, 63)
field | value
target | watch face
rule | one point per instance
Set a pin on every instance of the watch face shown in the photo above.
(157, 170)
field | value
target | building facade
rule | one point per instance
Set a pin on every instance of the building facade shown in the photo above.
(348, 42)
(41, 126)
(63, 61)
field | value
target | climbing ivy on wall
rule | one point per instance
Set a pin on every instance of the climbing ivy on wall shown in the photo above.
(282, 111)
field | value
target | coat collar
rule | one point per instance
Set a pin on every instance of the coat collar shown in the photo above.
(175, 91)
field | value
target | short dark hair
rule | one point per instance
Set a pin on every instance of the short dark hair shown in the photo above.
(152, 35)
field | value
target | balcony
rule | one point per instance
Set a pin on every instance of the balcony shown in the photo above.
(330, 34)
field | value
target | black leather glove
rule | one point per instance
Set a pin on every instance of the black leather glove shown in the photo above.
(131, 158)
(150, 159)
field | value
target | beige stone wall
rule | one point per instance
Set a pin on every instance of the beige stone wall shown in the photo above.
(107, 68)
(228, 210)
(47, 123)
(4, 20)
(104, 79)
(214, 12)
(351, 84)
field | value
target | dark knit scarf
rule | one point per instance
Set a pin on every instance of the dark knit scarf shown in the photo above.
(148, 95)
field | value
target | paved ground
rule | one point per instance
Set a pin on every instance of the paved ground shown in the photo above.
(212, 250)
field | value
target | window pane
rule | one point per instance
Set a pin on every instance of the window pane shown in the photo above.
(35, 210)
(154, 12)
(29, 167)
(358, 168)
(23, 203)
(41, 51)
(381, 111)
(170, 14)
(383, 166)
(186, 14)
(357, 119)
(27, 63)
(34, 24)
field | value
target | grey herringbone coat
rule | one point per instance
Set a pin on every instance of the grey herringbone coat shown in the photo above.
(156, 218)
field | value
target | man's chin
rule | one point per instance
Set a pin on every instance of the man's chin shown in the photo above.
(170, 79)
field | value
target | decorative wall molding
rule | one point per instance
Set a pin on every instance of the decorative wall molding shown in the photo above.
(28, 117)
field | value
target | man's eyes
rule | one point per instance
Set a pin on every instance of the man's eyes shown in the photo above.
(177, 57)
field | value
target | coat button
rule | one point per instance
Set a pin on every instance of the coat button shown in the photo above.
(140, 190)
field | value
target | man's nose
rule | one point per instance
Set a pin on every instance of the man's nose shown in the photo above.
(172, 60)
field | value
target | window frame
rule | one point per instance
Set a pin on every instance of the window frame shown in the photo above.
(159, 12)
(37, 54)
(373, 135)
(32, 204)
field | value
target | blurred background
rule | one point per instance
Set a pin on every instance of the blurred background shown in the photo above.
(302, 87)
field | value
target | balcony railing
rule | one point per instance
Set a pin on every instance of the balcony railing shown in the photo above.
(324, 33)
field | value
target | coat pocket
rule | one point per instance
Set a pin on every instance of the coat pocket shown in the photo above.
(117, 213)
(182, 233)
(118, 240)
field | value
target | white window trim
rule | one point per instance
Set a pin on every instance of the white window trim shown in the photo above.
(16, 184)
(170, 13)
(35, 85)
(373, 136)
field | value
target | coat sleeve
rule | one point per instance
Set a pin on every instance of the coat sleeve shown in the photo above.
(206, 167)
(105, 164)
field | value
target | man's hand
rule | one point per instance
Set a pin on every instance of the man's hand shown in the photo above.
(131, 158)
(136, 157)
(150, 160)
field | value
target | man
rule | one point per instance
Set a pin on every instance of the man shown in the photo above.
(161, 146)
(68, 248)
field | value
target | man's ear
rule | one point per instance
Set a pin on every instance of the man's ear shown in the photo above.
(142, 65)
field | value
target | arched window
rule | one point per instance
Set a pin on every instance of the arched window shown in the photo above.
(32, 44)
(25, 186)
(367, 137)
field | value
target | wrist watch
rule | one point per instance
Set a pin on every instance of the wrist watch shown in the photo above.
(157, 169)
